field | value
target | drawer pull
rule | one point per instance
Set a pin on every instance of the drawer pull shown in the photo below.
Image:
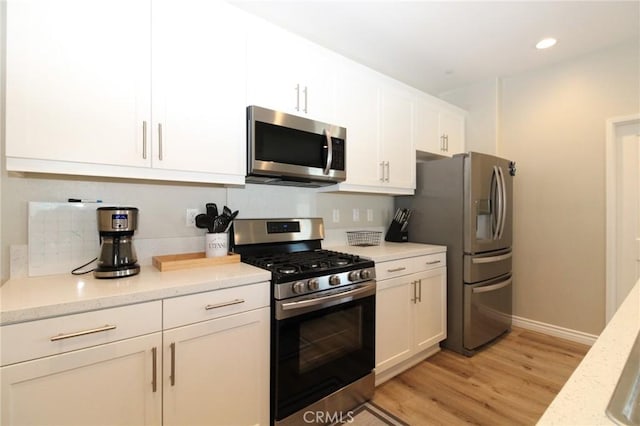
(82, 333)
(223, 304)
(433, 262)
(402, 268)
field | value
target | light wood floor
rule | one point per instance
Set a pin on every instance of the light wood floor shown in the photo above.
(509, 383)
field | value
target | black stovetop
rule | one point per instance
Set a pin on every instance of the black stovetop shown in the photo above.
(306, 264)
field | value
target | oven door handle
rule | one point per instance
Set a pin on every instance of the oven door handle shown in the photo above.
(334, 299)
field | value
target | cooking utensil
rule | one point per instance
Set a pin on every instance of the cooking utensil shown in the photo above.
(212, 209)
(233, 216)
(202, 221)
(219, 224)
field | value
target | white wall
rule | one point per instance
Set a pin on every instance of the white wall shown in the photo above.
(551, 121)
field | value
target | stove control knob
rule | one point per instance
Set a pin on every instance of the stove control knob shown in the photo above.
(298, 287)
(365, 274)
(334, 280)
(354, 275)
(313, 284)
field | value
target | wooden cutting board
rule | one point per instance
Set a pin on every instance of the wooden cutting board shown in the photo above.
(174, 262)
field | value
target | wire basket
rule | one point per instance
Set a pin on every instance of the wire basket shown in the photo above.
(363, 238)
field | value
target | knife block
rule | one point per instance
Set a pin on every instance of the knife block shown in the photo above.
(395, 234)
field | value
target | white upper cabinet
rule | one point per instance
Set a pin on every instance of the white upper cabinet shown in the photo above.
(289, 74)
(358, 111)
(378, 115)
(198, 75)
(78, 81)
(439, 128)
(451, 124)
(397, 152)
(82, 84)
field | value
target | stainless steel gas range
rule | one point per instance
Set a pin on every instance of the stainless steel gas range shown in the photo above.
(322, 321)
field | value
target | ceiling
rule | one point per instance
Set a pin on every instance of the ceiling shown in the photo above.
(441, 45)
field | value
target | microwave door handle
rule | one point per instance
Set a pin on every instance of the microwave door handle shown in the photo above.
(327, 168)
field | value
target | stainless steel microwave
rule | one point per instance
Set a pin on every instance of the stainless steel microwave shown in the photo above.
(290, 150)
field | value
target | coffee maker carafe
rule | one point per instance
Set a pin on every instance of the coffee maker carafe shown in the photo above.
(117, 255)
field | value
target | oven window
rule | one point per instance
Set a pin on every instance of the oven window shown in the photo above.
(330, 337)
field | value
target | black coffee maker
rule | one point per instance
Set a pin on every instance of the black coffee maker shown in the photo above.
(117, 255)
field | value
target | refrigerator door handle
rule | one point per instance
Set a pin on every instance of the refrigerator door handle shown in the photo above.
(491, 259)
(496, 212)
(503, 205)
(492, 287)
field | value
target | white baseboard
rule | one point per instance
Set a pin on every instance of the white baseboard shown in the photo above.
(391, 372)
(554, 330)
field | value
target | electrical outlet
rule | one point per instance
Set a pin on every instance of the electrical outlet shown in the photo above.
(369, 215)
(356, 215)
(190, 219)
(336, 215)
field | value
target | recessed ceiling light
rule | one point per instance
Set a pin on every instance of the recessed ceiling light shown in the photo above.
(546, 43)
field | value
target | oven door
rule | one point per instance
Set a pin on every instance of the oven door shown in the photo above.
(320, 345)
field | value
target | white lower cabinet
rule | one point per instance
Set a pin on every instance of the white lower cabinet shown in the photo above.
(99, 367)
(109, 384)
(410, 312)
(217, 372)
(117, 366)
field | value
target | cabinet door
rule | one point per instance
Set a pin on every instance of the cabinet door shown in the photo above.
(358, 111)
(78, 81)
(107, 384)
(396, 137)
(289, 74)
(199, 65)
(452, 128)
(217, 372)
(430, 309)
(427, 128)
(393, 322)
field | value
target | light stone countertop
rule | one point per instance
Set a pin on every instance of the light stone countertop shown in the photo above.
(26, 299)
(387, 251)
(32, 298)
(584, 398)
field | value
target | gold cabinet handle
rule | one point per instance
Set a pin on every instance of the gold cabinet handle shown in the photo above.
(144, 140)
(160, 155)
(63, 336)
(172, 377)
(154, 369)
(223, 304)
(402, 268)
(306, 95)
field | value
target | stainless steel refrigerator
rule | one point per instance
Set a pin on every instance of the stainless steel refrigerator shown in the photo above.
(465, 202)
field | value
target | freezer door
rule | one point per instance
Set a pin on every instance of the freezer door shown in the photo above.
(487, 311)
(482, 267)
(488, 205)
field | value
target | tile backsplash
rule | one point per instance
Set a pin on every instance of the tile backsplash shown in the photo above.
(163, 206)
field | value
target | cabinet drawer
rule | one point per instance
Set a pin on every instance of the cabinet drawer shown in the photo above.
(409, 265)
(35, 339)
(424, 263)
(214, 304)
